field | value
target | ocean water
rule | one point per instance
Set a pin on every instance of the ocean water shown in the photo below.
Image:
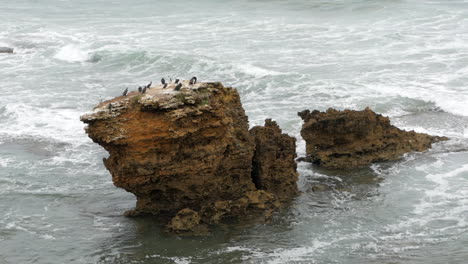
(407, 59)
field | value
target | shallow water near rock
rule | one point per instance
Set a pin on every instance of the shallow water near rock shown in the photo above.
(404, 59)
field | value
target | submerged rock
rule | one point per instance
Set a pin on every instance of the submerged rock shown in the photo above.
(188, 154)
(348, 139)
(187, 221)
(6, 50)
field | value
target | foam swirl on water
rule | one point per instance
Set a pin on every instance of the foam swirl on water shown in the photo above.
(71, 53)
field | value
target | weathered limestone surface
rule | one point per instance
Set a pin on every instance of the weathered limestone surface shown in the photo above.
(188, 155)
(348, 139)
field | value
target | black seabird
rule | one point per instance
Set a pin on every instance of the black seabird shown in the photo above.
(177, 88)
(139, 89)
(110, 107)
(165, 85)
(193, 80)
(176, 80)
(149, 85)
(144, 90)
(125, 92)
(163, 81)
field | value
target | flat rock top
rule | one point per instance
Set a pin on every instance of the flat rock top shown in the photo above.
(158, 92)
(156, 98)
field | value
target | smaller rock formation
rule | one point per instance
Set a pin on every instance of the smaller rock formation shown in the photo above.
(6, 50)
(348, 139)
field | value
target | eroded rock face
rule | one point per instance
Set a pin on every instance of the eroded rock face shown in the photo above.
(348, 139)
(274, 165)
(187, 154)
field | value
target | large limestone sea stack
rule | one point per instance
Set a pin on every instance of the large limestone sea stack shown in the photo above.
(189, 156)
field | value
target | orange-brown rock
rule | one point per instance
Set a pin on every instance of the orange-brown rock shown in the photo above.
(274, 165)
(252, 204)
(348, 139)
(184, 151)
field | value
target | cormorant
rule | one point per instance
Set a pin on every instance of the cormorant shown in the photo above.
(139, 89)
(144, 90)
(163, 81)
(177, 88)
(165, 85)
(176, 80)
(125, 92)
(193, 80)
(149, 85)
(110, 107)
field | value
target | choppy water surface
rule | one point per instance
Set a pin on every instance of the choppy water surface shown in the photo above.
(405, 59)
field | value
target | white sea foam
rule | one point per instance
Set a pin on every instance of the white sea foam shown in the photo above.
(5, 161)
(47, 237)
(72, 53)
(256, 71)
(30, 121)
(446, 201)
(456, 105)
(177, 260)
(297, 254)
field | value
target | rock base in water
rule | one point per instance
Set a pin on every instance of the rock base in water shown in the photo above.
(349, 139)
(188, 155)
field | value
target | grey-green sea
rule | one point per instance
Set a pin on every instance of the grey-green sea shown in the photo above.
(406, 59)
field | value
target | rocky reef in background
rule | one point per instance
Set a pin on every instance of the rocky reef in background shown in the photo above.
(349, 139)
(189, 156)
(6, 50)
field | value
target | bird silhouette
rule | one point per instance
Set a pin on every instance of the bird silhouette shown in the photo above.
(193, 80)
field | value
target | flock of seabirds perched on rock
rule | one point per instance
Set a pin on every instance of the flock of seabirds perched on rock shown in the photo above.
(142, 89)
